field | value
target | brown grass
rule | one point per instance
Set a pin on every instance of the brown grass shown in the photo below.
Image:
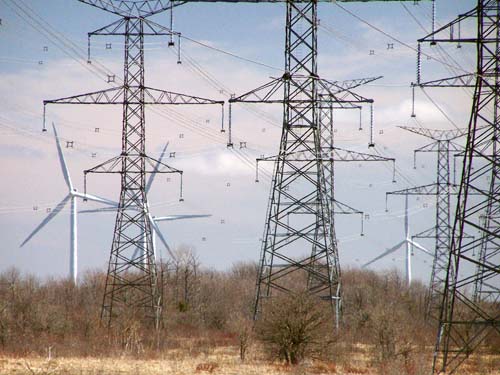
(221, 361)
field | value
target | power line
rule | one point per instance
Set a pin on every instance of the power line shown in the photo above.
(388, 35)
(230, 53)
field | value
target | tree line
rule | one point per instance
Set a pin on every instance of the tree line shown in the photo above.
(384, 320)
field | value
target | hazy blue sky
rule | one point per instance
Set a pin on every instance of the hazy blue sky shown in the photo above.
(43, 55)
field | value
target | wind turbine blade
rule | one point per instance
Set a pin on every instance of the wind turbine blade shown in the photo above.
(136, 253)
(152, 175)
(64, 167)
(179, 217)
(104, 210)
(385, 253)
(49, 217)
(97, 210)
(95, 198)
(158, 232)
(420, 247)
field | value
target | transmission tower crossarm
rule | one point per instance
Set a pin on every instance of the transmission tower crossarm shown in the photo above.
(108, 96)
(337, 87)
(337, 154)
(340, 97)
(114, 28)
(118, 28)
(116, 96)
(340, 154)
(326, 105)
(348, 84)
(434, 147)
(463, 80)
(437, 134)
(430, 189)
(157, 96)
(340, 208)
(431, 233)
(428, 233)
(449, 29)
(345, 209)
(262, 94)
(336, 91)
(131, 8)
(114, 165)
(431, 147)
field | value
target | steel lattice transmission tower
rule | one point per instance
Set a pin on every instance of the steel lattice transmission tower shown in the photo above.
(300, 212)
(132, 283)
(299, 216)
(442, 189)
(330, 153)
(334, 95)
(470, 309)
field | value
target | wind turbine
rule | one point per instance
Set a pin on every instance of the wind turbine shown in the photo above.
(153, 220)
(408, 242)
(72, 197)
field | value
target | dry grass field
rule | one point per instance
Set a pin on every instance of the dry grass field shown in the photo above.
(222, 361)
(217, 363)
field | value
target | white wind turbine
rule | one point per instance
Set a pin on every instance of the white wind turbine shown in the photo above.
(409, 242)
(153, 220)
(72, 197)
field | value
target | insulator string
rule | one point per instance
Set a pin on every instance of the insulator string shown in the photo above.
(413, 101)
(222, 130)
(419, 62)
(372, 143)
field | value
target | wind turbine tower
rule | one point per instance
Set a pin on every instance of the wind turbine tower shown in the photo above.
(72, 197)
(408, 244)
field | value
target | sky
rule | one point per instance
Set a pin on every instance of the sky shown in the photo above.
(228, 49)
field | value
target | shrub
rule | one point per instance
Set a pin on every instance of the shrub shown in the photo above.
(293, 327)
